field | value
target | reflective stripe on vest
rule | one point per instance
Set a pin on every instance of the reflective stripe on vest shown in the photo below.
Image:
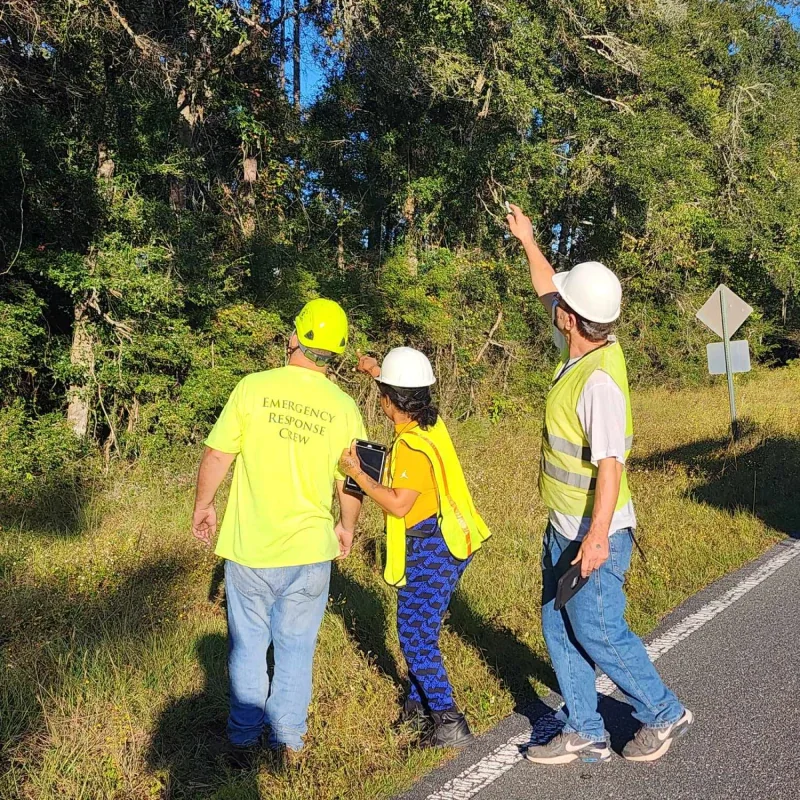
(459, 516)
(577, 451)
(570, 478)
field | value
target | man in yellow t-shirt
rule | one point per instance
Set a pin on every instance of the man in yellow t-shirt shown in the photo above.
(285, 429)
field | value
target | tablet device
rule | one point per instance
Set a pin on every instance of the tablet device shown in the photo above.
(372, 456)
(569, 584)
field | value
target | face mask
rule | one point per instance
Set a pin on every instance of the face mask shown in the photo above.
(558, 338)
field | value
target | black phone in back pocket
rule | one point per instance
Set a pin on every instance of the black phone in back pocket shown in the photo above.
(372, 456)
(569, 584)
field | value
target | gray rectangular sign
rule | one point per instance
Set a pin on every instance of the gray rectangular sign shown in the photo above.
(740, 357)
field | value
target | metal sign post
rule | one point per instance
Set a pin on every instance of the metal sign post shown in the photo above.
(726, 341)
(724, 312)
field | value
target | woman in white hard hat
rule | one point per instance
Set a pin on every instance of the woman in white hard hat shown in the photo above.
(432, 530)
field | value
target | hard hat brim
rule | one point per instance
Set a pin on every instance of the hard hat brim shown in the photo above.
(559, 280)
(400, 386)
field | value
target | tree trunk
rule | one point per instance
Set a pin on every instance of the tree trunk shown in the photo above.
(80, 356)
(248, 204)
(188, 116)
(296, 55)
(340, 263)
(375, 236)
(282, 47)
(105, 164)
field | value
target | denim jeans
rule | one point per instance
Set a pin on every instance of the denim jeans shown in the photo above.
(591, 631)
(282, 606)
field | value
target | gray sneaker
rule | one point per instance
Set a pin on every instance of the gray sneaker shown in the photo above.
(650, 744)
(564, 748)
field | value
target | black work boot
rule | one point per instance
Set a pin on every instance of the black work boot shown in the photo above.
(450, 729)
(415, 717)
(242, 757)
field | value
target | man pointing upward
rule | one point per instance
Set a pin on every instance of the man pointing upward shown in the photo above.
(587, 438)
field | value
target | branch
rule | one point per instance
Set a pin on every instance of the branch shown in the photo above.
(21, 222)
(123, 330)
(617, 51)
(256, 28)
(149, 49)
(492, 332)
(617, 104)
(142, 42)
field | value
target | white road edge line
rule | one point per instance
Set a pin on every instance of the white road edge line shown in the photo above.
(484, 772)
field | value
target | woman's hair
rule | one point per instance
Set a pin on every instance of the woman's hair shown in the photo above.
(417, 403)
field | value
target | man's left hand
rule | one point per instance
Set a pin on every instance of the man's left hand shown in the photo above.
(204, 523)
(345, 538)
(593, 553)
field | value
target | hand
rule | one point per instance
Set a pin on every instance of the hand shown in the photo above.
(349, 462)
(204, 523)
(368, 365)
(593, 553)
(345, 538)
(520, 226)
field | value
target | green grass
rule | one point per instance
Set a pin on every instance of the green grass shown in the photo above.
(112, 681)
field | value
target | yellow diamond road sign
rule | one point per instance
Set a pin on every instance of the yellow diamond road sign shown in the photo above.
(711, 313)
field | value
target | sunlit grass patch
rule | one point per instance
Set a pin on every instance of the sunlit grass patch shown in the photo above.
(113, 630)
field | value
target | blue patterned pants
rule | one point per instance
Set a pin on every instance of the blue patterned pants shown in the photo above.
(432, 574)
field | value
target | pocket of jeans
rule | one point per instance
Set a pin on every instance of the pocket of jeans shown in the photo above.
(317, 579)
(621, 547)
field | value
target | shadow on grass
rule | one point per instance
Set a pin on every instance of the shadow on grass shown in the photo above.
(188, 747)
(758, 475)
(512, 661)
(52, 629)
(54, 505)
(364, 616)
(216, 590)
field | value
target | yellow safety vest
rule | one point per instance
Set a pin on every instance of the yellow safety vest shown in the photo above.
(462, 527)
(567, 476)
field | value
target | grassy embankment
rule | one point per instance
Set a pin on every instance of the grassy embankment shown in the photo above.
(112, 683)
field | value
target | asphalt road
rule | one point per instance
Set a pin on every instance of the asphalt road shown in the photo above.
(739, 673)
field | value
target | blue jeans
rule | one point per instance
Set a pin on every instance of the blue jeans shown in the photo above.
(591, 630)
(282, 606)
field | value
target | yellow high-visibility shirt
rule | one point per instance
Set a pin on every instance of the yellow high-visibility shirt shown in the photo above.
(413, 470)
(288, 428)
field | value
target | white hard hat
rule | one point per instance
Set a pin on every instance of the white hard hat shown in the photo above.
(406, 368)
(592, 290)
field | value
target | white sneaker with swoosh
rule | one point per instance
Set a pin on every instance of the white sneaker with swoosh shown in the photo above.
(566, 747)
(649, 744)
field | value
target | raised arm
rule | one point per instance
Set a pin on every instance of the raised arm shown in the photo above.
(541, 270)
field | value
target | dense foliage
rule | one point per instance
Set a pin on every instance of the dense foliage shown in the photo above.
(168, 202)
